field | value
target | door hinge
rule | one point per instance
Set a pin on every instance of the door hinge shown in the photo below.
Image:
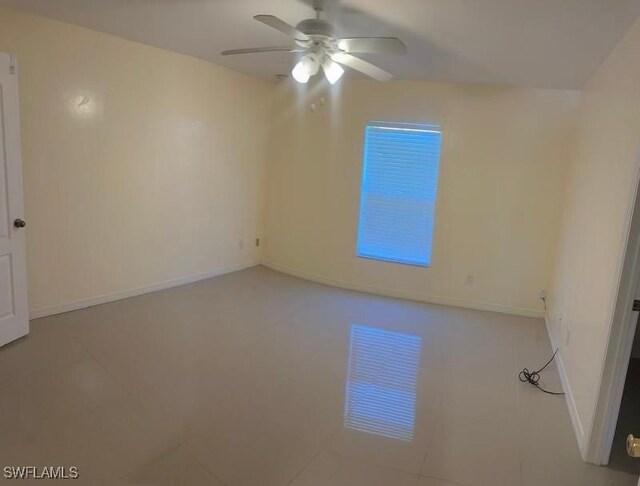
(636, 305)
(12, 65)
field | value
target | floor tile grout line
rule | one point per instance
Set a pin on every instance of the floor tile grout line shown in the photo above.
(217, 478)
(103, 368)
(305, 467)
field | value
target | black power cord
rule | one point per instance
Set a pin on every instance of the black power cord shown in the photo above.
(533, 377)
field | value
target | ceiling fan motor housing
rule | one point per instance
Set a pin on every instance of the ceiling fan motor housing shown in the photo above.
(316, 27)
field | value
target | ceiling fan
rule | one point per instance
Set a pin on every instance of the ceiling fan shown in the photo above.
(316, 41)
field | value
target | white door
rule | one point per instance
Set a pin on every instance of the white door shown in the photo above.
(14, 312)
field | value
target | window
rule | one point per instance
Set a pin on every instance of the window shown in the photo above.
(399, 187)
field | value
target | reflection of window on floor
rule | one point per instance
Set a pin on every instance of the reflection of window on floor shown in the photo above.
(381, 382)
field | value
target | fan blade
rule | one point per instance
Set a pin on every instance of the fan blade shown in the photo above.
(381, 45)
(251, 50)
(282, 26)
(363, 66)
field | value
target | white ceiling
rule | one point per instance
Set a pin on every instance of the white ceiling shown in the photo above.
(539, 43)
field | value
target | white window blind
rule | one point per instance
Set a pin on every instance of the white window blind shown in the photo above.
(399, 188)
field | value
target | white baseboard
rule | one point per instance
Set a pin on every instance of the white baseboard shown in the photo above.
(124, 294)
(568, 394)
(485, 306)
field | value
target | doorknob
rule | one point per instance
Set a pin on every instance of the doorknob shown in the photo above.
(633, 446)
(19, 223)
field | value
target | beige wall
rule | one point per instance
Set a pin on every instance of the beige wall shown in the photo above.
(599, 199)
(141, 166)
(505, 151)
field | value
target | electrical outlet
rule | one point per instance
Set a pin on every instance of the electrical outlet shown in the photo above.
(469, 280)
(257, 241)
(543, 294)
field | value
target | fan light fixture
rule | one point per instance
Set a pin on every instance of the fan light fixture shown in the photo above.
(309, 66)
(332, 71)
(306, 67)
(316, 40)
(300, 73)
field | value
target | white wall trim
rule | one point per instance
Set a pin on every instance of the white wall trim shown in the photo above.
(568, 393)
(124, 294)
(431, 299)
(45, 311)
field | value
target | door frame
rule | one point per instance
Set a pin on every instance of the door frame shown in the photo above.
(620, 342)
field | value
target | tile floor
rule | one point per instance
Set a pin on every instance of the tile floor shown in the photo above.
(257, 378)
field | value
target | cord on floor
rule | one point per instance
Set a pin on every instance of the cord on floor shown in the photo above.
(533, 377)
